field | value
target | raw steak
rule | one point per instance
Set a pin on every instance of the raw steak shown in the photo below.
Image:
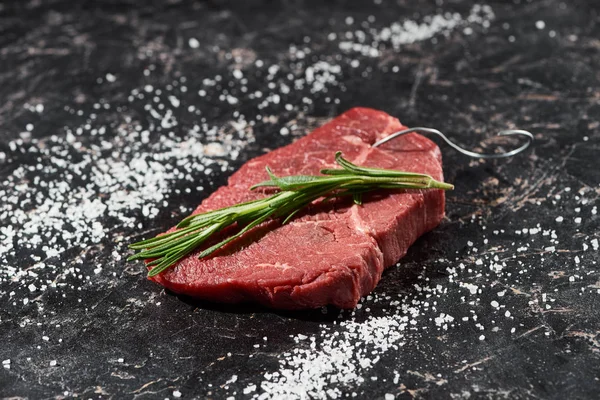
(330, 254)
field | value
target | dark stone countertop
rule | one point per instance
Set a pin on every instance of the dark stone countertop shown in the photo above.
(117, 118)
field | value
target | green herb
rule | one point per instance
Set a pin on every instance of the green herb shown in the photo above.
(295, 193)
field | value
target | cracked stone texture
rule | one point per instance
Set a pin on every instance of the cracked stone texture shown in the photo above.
(118, 342)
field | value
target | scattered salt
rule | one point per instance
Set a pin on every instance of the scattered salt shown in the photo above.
(135, 188)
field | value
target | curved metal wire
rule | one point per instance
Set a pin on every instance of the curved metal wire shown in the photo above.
(508, 132)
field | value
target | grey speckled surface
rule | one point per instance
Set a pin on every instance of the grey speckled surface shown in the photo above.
(78, 321)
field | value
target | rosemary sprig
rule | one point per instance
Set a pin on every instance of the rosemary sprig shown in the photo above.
(295, 193)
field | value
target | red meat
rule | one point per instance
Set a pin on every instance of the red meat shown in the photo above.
(331, 255)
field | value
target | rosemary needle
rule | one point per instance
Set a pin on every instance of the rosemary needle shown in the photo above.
(295, 193)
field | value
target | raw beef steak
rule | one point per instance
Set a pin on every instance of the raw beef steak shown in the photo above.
(331, 254)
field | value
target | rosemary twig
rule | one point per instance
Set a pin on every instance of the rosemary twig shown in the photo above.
(295, 193)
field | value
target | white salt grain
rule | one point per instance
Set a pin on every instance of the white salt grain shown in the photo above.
(237, 74)
(249, 389)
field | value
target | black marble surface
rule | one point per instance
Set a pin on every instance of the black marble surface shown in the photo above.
(77, 320)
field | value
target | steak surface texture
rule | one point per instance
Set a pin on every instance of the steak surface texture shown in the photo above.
(334, 253)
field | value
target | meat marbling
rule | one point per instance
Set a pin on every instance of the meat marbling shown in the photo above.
(330, 255)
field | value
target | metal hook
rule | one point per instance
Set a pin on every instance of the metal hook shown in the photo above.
(508, 132)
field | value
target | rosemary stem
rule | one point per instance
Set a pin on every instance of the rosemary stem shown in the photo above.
(295, 193)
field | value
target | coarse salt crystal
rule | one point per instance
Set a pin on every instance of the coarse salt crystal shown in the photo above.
(249, 389)
(472, 288)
